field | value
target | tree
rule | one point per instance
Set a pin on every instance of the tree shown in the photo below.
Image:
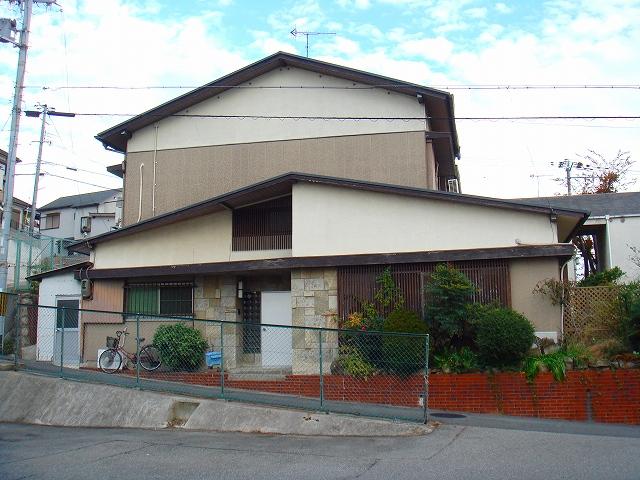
(608, 175)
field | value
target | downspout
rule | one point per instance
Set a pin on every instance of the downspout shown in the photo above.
(564, 265)
(608, 220)
(140, 198)
(153, 190)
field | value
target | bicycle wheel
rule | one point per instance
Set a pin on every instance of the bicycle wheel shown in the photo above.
(110, 360)
(149, 358)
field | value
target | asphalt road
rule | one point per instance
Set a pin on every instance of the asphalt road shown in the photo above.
(451, 452)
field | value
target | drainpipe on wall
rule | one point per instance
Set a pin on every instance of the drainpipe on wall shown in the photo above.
(608, 235)
(140, 199)
(155, 154)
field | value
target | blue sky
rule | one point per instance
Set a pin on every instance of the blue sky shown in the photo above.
(443, 44)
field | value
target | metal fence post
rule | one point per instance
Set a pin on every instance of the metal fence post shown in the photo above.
(64, 319)
(222, 359)
(425, 387)
(321, 373)
(18, 329)
(16, 269)
(138, 351)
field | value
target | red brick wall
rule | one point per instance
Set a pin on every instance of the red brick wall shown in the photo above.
(602, 396)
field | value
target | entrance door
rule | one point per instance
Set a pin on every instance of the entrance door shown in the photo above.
(277, 347)
(71, 355)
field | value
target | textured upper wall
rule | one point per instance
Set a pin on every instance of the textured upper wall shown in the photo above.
(181, 132)
(337, 221)
(189, 175)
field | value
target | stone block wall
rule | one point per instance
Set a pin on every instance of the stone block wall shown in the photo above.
(314, 303)
(215, 298)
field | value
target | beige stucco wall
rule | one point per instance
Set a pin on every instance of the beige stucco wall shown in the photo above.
(181, 132)
(525, 274)
(334, 221)
(198, 240)
(187, 175)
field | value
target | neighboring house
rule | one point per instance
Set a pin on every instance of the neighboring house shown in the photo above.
(59, 288)
(20, 210)
(81, 216)
(614, 224)
(201, 144)
(218, 226)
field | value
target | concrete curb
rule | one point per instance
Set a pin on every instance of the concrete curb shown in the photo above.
(27, 398)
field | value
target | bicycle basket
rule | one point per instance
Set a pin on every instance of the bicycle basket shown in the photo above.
(112, 342)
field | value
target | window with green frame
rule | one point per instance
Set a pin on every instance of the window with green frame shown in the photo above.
(160, 298)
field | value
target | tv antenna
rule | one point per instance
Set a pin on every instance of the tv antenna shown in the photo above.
(297, 33)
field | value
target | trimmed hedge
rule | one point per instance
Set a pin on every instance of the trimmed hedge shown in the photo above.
(403, 355)
(503, 337)
(180, 347)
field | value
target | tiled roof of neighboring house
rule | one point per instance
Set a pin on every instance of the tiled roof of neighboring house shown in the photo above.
(598, 204)
(20, 203)
(439, 103)
(82, 200)
(282, 184)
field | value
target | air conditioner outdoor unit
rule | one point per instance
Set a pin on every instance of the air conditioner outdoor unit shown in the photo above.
(453, 186)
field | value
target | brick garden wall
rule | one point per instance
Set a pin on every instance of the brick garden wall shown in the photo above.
(602, 396)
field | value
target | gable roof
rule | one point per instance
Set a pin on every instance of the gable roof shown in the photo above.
(282, 184)
(439, 103)
(599, 204)
(81, 200)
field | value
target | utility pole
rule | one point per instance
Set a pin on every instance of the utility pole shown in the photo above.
(35, 114)
(568, 166)
(23, 45)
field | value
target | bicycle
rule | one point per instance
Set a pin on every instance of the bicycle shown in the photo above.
(110, 361)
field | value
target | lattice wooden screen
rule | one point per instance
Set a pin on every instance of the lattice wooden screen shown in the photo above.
(588, 311)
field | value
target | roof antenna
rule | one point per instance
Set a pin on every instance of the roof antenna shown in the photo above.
(296, 33)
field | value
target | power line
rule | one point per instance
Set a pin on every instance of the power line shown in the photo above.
(79, 181)
(341, 87)
(353, 118)
(75, 169)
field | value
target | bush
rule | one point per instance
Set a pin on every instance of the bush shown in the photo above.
(503, 337)
(8, 346)
(403, 355)
(448, 293)
(351, 362)
(629, 306)
(180, 347)
(463, 360)
(604, 278)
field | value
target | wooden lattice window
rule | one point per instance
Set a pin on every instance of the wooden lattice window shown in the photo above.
(263, 226)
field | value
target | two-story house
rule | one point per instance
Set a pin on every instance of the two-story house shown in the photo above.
(81, 216)
(278, 193)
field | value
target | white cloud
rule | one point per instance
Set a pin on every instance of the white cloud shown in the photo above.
(268, 45)
(503, 8)
(438, 48)
(478, 12)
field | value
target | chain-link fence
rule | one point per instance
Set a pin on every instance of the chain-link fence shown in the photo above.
(33, 253)
(358, 372)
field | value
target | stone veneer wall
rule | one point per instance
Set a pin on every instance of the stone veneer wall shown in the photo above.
(215, 298)
(314, 303)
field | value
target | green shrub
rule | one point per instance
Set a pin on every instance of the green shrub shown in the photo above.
(503, 337)
(448, 292)
(180, 347)
(456, 361)
(403, 355)
(554, 362)
(8, 346)
(606, 277)
(352, 362)
(629, 307)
